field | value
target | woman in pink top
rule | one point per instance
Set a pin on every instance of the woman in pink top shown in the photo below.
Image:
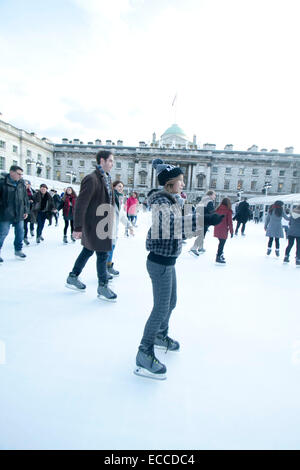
(131, 208)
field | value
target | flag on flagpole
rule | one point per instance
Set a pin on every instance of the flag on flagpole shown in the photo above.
(175, 97)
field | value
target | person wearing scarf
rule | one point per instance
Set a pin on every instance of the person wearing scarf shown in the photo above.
(69, 201)
(120, 216)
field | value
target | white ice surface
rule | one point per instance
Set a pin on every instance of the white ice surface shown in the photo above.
(67, 358)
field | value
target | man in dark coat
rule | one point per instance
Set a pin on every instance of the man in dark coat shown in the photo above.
(43, 207)
(242, 216)
(93, 224)
(30, 193)
(14, 207)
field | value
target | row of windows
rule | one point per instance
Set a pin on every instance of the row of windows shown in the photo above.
(39, 156)
(118, 165)
(255, 171)
(142, 181)
(240, 185)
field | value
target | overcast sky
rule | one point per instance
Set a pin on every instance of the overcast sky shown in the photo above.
(109, 69)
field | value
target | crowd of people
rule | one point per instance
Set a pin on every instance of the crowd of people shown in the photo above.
(94, 216)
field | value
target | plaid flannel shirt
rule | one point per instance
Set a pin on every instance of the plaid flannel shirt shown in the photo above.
(170, 225)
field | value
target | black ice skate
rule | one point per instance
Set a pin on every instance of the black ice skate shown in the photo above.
(277, 253)
(20, 255)
(112, 271)
(105, 293)
(166, 343)
(26, 241)
(194, 252)
(65, 240)
(220, 260)
(147, 365)
(286, 259)
(269, 251)
(74, 283)
(297, 262)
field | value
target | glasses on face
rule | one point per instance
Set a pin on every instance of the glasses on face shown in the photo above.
(20, 174)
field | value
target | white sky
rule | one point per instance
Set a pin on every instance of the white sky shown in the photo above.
(92, 69)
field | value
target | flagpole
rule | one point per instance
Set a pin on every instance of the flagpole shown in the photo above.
(174, 104)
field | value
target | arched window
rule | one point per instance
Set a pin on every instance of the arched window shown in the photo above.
(200, 180)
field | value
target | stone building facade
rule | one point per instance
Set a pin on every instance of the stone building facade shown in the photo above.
(18, 147)
(229, 172)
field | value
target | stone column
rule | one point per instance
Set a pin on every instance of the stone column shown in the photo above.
(188, 180)
(135, 174)
(208, 174)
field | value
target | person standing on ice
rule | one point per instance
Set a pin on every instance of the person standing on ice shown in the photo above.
(14, 208)
(93, 224)
(208, 203)
(164, 243)
(119, 217)
(30, 193)
(222, 229)
(132, 207)
(42, 208)
(242, 216)
(273, 226)
(294, 234)
(68, 207)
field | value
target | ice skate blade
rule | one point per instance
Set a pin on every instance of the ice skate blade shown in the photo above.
(69, 286)
(220, 264)
(21, 259)
(101, 297)
(148, 375)
(163, 348)
(194, 254)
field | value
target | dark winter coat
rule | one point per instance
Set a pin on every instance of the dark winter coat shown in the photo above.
(273, 225)
(221, 230)
(243, 212)
(294, 229)
(93, 194)
(37, 203)
(30, 194)
(69, 207)
(14, 202)
(57, 202)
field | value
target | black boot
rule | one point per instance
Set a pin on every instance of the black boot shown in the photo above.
(220, 260)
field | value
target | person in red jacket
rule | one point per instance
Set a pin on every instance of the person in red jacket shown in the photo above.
(221, 230)
(68, 206)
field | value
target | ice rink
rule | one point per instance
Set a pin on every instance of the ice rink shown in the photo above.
(67, 358)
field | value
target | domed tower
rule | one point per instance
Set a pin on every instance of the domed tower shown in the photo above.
(174, 135)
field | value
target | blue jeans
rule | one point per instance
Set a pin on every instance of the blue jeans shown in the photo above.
(110, 254)
(101, 263)
(41, 219)
(19, 233)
